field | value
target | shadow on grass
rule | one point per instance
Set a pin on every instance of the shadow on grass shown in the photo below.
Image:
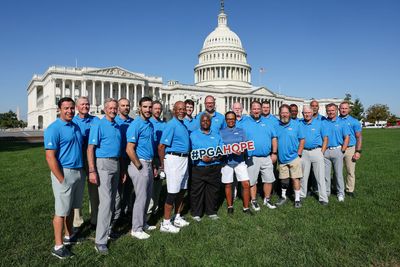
(18, 145)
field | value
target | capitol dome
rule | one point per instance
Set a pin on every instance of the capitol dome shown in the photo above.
(222, 60)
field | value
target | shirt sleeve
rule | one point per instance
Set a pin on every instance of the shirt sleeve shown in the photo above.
(51, 139)
(300, 133)
(274, 132)
(345, 130)
(94, 134)
(324, 129)
(132, 134)
(167, 135)
(357, 126)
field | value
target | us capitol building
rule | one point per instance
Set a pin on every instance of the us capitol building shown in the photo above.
(222, 71)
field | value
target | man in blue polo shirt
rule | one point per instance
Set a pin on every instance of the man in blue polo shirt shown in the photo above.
(140, 149)
(266, 113)
(63, 143)
(339, 137)
(217, 119)
(260, 160)
(104, 152)
(315, 107)
(159, 126)
(353, 151)
(235, 163)
(294, 111)
(174, 151)
(290, 148)
(191, 123)
(84, 120)
(206, 172)
(316, 136)
(237, 108)
(123, 199)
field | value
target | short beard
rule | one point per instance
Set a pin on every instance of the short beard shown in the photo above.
(285, 120)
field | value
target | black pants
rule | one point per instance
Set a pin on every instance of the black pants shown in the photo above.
(205, 187)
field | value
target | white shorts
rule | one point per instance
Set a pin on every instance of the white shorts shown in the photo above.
(263, 165)
(177, 173)
(240, 171)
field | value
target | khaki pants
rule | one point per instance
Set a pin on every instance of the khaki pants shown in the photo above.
(350, 168)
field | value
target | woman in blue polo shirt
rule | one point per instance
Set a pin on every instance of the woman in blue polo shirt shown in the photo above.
(206, 172)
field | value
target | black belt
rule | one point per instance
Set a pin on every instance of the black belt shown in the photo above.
(179, 154)
(308, 149)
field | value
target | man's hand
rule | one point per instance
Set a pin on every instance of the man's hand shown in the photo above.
(123, 176)
(93, 178)
(207, 159)
(61, 180)
(356, 156)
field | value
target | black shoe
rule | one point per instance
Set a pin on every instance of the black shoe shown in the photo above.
(281, 201)
(297, 204)
(230, 210)
(248, 212)
(72, 240)
(351, 194)
(323, 203)
(62, 253)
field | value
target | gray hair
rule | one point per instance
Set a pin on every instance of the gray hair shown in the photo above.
(82, 98)
(108, 100)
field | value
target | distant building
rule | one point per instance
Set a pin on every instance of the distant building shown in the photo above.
(222, 72)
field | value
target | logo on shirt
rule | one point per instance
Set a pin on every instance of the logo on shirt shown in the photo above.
(290, 128)
(263, 124)
(235, 133)
(212, 137)
(133, 138)
(313, 129)
(166, 140)
(50, 144)
(93, 140)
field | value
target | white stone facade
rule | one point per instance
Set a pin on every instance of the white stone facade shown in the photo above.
(222, 72)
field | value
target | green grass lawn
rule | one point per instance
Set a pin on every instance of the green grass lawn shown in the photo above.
(359, 232)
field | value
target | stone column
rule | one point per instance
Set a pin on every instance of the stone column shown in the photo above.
(134, 95)
(83, 88)
(111, 90)
(142, 90)
(94, 93)
(119, 91)
(153, 92)
(62, 87)
(73, 89)
(127, 91)
(102, 93)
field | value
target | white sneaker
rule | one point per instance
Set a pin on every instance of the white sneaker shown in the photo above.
(340, 198)
(147, 227)
(169, 228)
(180, 222)
(140, 235)
(269, 204)
(254, 205)
(213, 217)
(197, 218)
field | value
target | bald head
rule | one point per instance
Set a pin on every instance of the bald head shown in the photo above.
(180, 110)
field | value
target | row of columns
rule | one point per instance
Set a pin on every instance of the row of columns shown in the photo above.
(246, 101)
(223, 73)
(89, 88)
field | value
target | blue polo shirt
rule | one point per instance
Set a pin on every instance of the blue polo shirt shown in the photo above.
(84, 125)
(241, 121)
(338, 130)
(191, 124)
(231, 136)
(106, 136)
(261, 133)
(320, 117)
(289, 136)
(199, 140)
(176, 137)
(217, 121)
(271, 119)
(354, 127)
(141, 132)
(124, 125)
(314, 133)
(66, 139)
(159, 126)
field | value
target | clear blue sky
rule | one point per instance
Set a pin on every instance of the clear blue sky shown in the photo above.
(310, 48)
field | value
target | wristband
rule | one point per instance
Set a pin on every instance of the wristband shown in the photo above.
(273, 153)
(359, 151)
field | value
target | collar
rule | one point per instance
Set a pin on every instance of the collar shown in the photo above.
(65, 123)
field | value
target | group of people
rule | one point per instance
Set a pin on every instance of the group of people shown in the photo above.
(125, 160)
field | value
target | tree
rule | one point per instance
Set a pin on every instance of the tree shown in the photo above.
(392, 120)
(10, 120)
(378, 112)
(357, 110)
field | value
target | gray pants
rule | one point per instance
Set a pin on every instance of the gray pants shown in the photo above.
(316, 159)
(123, 198)
(335, 157)
(143, 185)
(93, 202)
(108, 170)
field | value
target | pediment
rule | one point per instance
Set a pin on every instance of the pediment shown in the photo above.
(115, 72)
(263, 91)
